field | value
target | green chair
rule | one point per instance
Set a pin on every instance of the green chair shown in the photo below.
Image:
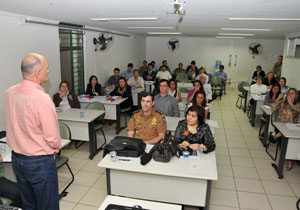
(209, 77)
(242, 94)
(216, 86)
(61, 160)
(182, 77)
(98, 125)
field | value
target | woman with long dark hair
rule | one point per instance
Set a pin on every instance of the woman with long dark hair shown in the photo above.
(123, 90)
(193, 133)
(273, 95)
(93, 88)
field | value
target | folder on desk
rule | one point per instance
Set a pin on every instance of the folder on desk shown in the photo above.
(120, 207)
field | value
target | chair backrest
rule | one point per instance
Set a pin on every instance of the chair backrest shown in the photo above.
(184, 90)
(209, 77)
(274, 117)
(181, 77)
(215, 81)
(242, 84)
(64, 131)
(96, 106)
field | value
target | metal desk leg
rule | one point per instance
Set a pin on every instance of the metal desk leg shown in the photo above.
(208, 192)
(108, 185)
(118, 120)
(245, 103)
(266, 131)
(252, 120)
(279, 168)
(92, 140)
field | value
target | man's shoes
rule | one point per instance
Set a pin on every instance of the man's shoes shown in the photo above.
(272, 139)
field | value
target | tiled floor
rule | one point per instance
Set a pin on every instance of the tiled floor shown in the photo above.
(246, 179)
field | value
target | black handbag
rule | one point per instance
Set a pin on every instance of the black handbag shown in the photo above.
(165, 149)
(125, 146)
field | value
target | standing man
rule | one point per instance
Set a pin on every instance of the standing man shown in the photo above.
(113, 80)
(166, 103)
(33, 135)
(223, 77)
(277, 68)
(128, 73)
(147, 124)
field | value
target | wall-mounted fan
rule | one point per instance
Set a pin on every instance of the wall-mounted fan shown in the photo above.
(173, 44)
(102, 43)
(255, 49)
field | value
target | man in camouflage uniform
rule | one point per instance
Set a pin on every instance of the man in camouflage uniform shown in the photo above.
(147, 124)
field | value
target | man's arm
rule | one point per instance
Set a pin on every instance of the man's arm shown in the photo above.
(156, 139)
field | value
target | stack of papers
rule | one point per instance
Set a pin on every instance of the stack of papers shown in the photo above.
(293, 126)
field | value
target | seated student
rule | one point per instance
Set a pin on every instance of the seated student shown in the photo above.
(143, 68)
(173, 91)
(150, 74)
(147, 124)
(202, 72)
(221, 74)
(136, 81)
(65, 98)
(163, 74)
(192, 66)
(179, 70)
(289, 111)
(9, 189)
(206, 86)
(273, 95)
(128, 73)
(200, 100)
(122, 91)
(93, 88)
(258, 88)
(282, 82)
(269, 80)
(193, 133)
(192, 71)
(197, 86)
(113, 80)
(258, 73)
(165, 103)
(154, 68)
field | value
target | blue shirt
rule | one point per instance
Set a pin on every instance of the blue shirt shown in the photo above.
(112, 80)
(127, 75)
(221, 74)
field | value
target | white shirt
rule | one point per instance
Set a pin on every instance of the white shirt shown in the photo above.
(199, 75)
(207, 89)
(64, 104)
(138, 82)
(258, 89)
(172, 94)
(164, 75)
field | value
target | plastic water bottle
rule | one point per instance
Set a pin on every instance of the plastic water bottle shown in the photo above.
(185, 155)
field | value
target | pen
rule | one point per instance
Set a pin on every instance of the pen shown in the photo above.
(124, 159)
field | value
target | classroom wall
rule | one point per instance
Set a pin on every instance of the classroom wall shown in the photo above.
(17, 40)
(291, 67)
(123, 50)
(205, 51)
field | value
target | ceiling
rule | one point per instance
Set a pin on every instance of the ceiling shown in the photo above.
(202, 19)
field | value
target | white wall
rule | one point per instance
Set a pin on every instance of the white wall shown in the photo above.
(290, 68)
(205, 51)
(123, 50)
(16, 41)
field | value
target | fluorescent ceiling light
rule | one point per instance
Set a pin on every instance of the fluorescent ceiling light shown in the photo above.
(150, 27)
(230, 34)
(266, 19)
(246, 29)
(125, 19)
(163, 33)
(230, 37)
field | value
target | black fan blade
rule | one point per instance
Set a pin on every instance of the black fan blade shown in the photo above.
(95, 41)
(103, 47)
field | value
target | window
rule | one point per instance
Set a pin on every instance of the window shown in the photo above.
(71, 57)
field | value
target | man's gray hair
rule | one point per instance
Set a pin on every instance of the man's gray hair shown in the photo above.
(30, 63)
